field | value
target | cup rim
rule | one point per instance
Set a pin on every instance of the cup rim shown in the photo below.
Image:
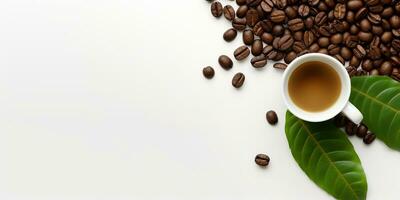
(330, 112)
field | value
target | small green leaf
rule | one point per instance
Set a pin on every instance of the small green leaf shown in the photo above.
(378, 99)
(328, 158)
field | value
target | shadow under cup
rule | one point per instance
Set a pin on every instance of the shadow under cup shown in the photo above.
(341, 100)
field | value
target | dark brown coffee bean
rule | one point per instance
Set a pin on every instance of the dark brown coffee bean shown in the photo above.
(216, 9)
(257, 47)
(253, 3)
(354, 61)
(272, 118)
(354, 4)
(320, 18)
(359, 51)
(309, 38)
(365, 36)
(330, 3)
(309, 22)
(395, 22)
(280, 4)
(385, 50)
(324, 31)
(385, 24)
(396, 33)
(386, 68)
(275, 42)
(272, 55)
(339, 58)
(278, 30)
(340, 11)
(351, 41)
(367, 65)
(266, 25)
(230, 35)
(333, 49)
(291, 12)
(376, 41)
(258, 29)
(371, 2)
(377, 63)
(289, 57)
(238, 80)
(241, 2)
(376, 9)
(298, 35)
(387, 12)
(280, 66)
(262, 160)
(248, 37)
(350, 128)
(369, 138)
(387, 37)
(350, 17)
(306, 51)
(208, 72)
(395, 61)
(361, 14)
(278, 16)
(374, 53)
(304, 10)
(267, 49)
(323, 42)
(299, 46)
(267, 38)
(252, 17)
(396, 44)
(362, 131)
(259, 61)
(354, 29)
(377, 30)
(285, 43)
(336, 39)
(239, 24)
(374, 18)
(365, 25)
(229, 12)
(225, 62)
(296, 24)
(322, 6)
(314, 48)
(242, 11)
(241, 53)
(346, 53)
(396, 74)
(267, 5)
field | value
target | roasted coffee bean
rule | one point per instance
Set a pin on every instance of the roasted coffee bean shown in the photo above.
(395, 61)
(369, 138)
(298, 35)
(267, 49)
(252, 17)
(324, 31)
(365, 25)
(367, 65)
(275, 42)
(350, 17)
(354, 29)
(291, 13)
(346, 53)
(385, 50)
(377, 63)
(362, 131)
(280, 4)
(241, 53)
(313, 2)
(354, 4)
(371, 2)
(396, 33)
(267, 5)
(253, 3)
(272, 55)
(376, 41)
(340, 11)
(309, 22)
(242, 11)
(395, 22)
(350, 128)
(238, 80)
(225, 62)
(330, 3)
(257, 47)
(285, 42)
(322, 6)
(278, 16)
(354, 61)
(229, 12)
(365, 36)
(267, 38)
(258, 29)
(239, 24)
(289, 57)
(259, 61)
(278, 30)
(396, 74)
(272, 118)
(262, 160)
(336, 39)
(333, 49)
(266, 25)
(377, 30)
(304, 10)
(248, 37)
(374, 53)
(387, 37)
(320, 18)
(351, 41)
(208, 72)
(299, 46)
(230, 35)
(323, 42)
(216, 9)
(374, 72)
(314, 48)
(241, 2)
(374, 18)
(296, 24)
(361, 14)
(386, 68)
(396, 44)
(339, 58)
(359, 51)
(376, 9)
(281, 66)
(309, 38)
(387, 12)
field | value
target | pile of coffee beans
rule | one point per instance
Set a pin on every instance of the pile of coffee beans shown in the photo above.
(365, 34)
(351, 129)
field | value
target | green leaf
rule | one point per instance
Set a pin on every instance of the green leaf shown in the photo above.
(378, 99)
(328, 158)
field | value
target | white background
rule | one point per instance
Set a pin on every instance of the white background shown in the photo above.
(104, 99)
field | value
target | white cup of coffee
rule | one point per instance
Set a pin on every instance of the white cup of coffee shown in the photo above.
(316, 87)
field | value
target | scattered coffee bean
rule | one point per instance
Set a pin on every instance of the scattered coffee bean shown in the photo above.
(262, 160)
(238, 80)
(225, 62)
(272, 118)
(361, 130)
(281, 66)
(208, 72)
(239, 24)
(229, 12)
(241, 53)
(216, 9)
(257, 47)
(259, 61)
(369, 138)
(350, 130)
(230, 35)
(248, 37)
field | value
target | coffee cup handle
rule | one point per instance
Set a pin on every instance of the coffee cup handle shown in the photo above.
(352, 113)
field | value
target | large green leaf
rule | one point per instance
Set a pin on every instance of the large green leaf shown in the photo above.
(378, 99)
(328, 158)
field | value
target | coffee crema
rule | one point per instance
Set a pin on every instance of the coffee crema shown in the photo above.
(314, 86)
